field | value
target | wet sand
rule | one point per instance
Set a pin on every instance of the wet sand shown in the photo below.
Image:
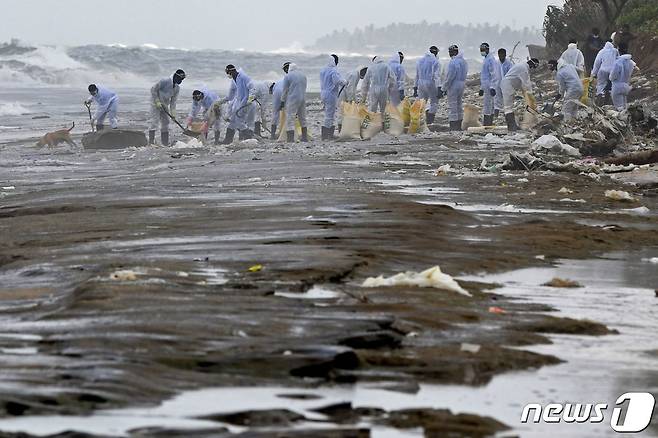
(125, 275)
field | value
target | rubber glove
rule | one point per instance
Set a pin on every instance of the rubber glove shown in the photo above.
(159, 105)
(415, 91)
(282, 106)
(481, 93)
(251, 99)
(401, 94)
(492, 92)
(440, 92)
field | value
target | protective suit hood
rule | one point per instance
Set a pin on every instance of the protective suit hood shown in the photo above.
(293, 67)
(331, 62)
(626, 56)
(572, 46)
(608, 45)
(378, 60)
(395, 59)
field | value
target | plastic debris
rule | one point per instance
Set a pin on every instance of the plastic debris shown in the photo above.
(565, 191)
(496, 310)
(470, 348)
(432, 277)
(444, 170)
(124, 275)
(553, 144)
(255, 268)
(579, 201)
(9, 188)
(562, 283)
(619, 195)
(653, 260)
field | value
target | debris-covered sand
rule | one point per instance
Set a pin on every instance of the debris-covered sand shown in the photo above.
(132, 274)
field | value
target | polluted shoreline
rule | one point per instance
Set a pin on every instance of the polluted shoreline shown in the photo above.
(398, 286)
(131, 276)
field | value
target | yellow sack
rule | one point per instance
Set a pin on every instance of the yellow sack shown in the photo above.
(530, 100)
(372, 125)
(404, 108)
(417, 116)
(352, 120)
(283, 135)
(587, 90)
(393, 123)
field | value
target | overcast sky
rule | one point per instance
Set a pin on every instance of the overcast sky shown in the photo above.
(251, 25)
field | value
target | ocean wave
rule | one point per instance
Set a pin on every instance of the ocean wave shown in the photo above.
(13, 109)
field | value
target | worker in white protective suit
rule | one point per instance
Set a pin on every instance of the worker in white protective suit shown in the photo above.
(164, 95)
(261, 94)
(574, 56)
(276, 91)
(241, 97)
(294, 101)
(454, 85)
(503, 65)
(428, 82)
(203, 102)
(621, 78)
(377, 83)
(489, 83)
(569, 85)
(603, 65)
(516, 79)
(351, 91)
(107, 105)
(397, 94)
(331, 85)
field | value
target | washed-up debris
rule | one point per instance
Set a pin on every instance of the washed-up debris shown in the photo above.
(445, 169)
(562, 283)
(552, 144)
(637, 158)
(8, 188)
(255, 268)
(432, 277)
(638, 210)
(124, 275)
(619, 195)
(470, 348)
(565, 191)
(653, 260)
(496, 310)
(578, 201)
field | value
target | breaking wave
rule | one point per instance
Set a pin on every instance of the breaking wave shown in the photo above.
(13, 109)
(118, 65)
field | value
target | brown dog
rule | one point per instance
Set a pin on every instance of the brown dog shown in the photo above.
(52, 139)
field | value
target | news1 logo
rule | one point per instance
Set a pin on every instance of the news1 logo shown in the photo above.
(632, 413)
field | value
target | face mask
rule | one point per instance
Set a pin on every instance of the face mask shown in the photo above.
(484, 54)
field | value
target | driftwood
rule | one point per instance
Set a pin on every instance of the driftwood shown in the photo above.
(637, 158)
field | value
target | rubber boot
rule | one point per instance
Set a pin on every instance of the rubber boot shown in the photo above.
(257, 128)
(453, 125)
(99, 127)
(340, 128)
(164, 138)
(247, 134)
(228, 138)
(429, 118)
(217, 135)
(511, 122)
(324, 133)
(496, 114)
(304, 135)
(273, 132)
(458, 125)
(151, 137)
(487, 121)
(330, 133)
(290, 136)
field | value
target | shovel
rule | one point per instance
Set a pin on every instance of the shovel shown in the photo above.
(186, 131)
(91, 121)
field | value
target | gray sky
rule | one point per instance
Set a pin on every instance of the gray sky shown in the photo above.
(251, 25)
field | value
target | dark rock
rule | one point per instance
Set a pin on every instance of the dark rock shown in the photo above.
(258, 418)
(114, 139)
